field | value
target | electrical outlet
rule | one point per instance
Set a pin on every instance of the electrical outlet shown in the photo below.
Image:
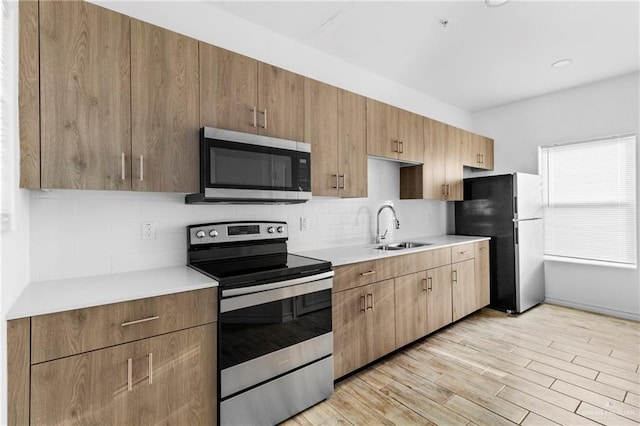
(148, 230)
(304, 223)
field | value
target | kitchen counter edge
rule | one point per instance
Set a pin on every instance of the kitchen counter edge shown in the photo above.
(47, 297)
(345, 255)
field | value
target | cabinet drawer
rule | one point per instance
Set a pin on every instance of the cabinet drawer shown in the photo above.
(462, 252)
(421, 261)
(357, 274)
(81, 330)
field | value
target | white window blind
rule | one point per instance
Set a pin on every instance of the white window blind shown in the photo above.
(589, 195)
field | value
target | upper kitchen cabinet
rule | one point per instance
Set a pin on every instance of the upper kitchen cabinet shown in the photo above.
(478, 151)
(394, 133)
(164, 109)
(335, 128)
(440, 177)
(84, 98)
(241, 94)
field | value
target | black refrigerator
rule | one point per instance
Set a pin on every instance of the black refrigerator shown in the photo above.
(507, 208)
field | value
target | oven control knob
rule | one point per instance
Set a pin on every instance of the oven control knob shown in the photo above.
(280, 229)
(200, 234)
(271, 230)
(213, 233)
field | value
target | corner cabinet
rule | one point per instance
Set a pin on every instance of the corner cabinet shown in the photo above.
(117, 101)
(335, 129)
(385, 304)
(242, 94)
(147, 361)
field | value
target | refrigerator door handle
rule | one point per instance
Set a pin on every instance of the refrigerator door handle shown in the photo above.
(516, 236)
(524, 220)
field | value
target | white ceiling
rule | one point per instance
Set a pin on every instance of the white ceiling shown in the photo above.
(486, 56)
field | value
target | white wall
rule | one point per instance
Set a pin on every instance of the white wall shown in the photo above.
(79, 233)
(14, 241)
(605, 108)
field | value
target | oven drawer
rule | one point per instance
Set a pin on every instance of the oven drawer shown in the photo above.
(362, 273)
(72, 332)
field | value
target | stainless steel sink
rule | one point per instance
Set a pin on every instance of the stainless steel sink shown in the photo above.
(401, 246)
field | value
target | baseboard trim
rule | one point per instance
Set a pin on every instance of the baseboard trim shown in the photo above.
(634, 316)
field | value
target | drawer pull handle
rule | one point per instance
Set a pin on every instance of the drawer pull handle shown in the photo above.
(129, 374)
(124, 324)
(150, 368)
(462, 252)
(364, 274)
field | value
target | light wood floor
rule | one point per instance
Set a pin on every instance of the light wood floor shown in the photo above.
(550, 365)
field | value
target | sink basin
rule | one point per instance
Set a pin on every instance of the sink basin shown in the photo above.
(401, 246)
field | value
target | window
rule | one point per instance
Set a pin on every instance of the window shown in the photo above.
(589, 198)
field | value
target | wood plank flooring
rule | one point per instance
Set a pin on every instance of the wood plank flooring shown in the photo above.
(550, 365)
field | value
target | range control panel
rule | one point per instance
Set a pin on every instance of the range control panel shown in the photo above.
(224, 232)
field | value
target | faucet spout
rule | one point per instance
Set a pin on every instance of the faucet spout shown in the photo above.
(395, 220)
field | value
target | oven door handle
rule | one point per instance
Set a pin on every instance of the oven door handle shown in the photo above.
(257, 295)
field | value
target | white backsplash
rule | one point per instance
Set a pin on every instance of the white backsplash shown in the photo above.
(81, 233)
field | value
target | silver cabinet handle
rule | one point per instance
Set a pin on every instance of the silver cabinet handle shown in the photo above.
(448, 189)
(454, 273)
(443, 189)
(401, 145)
(424, 284)
(362, 304)
(430, 279)
(124, 324)
(337, 185)
(254, 123)
(371, 272)
(370, 301)
(264, 113)
(396, 144)
(123, 175)
(482, 158)
(344, 182)
(141, 167)
(129, 374)
(150, 368)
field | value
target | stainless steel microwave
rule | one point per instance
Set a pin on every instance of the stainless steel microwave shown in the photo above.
(246, 168)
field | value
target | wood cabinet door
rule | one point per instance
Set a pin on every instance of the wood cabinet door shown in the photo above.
(280, 103)
(434, 176)
(382, 129)
(228, 90)
(85, 118)
(164, 110)
(482, 274)
(411, 308)
(455, 141)
(411, 136)
(487, 153)
(352, 144)
(463, 288)
(321, 131)
(439, 308)
(170, 379)
(183, 386)
(349, 331)
(381, 318)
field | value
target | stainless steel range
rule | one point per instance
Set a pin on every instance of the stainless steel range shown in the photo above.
(275, 333)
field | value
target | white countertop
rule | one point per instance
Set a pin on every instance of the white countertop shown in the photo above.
(361, 253)
(45, 297)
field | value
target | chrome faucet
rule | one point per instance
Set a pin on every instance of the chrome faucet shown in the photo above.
(395, 219)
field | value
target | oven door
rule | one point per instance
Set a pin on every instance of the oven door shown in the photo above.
(255, 168)
(267, 333)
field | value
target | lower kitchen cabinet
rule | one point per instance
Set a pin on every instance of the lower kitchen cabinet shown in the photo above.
(411, 308)
(463, 292)
(169, 379)
(146, 361)
(371, 320)
(363, 325)
(439, 298)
